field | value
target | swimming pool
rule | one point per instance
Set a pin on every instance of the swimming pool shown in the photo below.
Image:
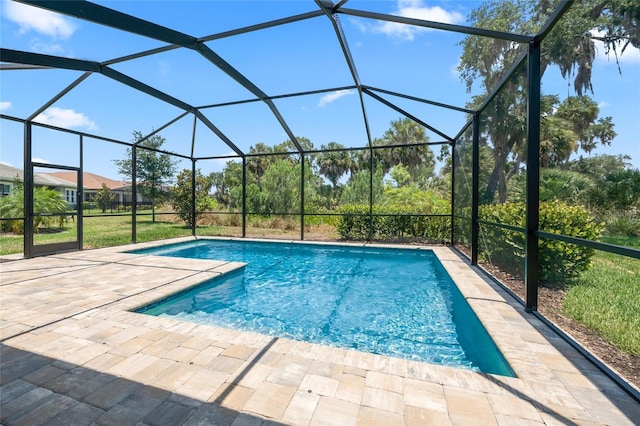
(396, 302)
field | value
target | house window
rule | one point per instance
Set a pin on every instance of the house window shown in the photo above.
(70, 195)
(5, 189)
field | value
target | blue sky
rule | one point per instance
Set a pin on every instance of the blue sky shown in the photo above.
(297, 57)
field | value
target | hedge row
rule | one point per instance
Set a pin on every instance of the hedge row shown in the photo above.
(559, 261)
(390, 222)
(504, 248)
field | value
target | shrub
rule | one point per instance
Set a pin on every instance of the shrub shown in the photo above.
(181, 196)
(353, 222)
(45, 200)
(559, 261)
(569, 186)
(104, 197)
(390, 222)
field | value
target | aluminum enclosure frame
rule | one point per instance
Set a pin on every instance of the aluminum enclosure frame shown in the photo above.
(91, 12)
(15, 61)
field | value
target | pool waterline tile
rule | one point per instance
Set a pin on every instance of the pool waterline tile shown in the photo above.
(551, 397)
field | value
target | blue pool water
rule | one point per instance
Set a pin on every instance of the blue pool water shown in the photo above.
(385, 301)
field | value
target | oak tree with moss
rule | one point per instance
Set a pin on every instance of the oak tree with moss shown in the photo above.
(570, 46)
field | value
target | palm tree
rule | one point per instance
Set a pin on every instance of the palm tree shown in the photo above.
(418, 157)
(334, 164)
(13, 206)
(257, 165)
(45, 200)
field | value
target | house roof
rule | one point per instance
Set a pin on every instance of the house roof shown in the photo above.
(90, 180)
(9, 173)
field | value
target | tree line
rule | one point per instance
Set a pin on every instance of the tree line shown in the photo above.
(333, 174)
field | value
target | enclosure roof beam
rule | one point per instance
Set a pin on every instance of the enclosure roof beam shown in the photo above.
(218, 133)
(142, 54)
(463, 129)
(425, 101)
(57, 97)
(519, 38)
(509, 74)
(406, 114)
(339, 5)
(284, 96)
(264, 25)
(218, 36)
(145, 88)
(329, 9)
(112, 18)
(118, 76)
(37, 59)
(9, 55)
(553, 19)
(215, 59)
(15, 67)
(21, 57)
(92, 12)
(161, 128)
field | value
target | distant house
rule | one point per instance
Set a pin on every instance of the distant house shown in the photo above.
(8, 175)
(92, 183)
(66, 184)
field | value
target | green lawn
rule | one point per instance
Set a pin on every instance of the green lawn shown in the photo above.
(606, 298)
(109, 231)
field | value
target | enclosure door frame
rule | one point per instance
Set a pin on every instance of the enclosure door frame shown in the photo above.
(31, 249)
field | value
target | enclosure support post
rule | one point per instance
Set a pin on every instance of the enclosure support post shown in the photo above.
(475, 188)
(27, 187)
(80, 197)
(453, 185)
(244, 197)
(370, 193)
(134, 192)
(302, 196)
(193, 197)
(531, 262)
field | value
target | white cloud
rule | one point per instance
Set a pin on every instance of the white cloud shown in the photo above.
(66, 118)
(333, 96)
(39, 46)
(417, 10)
(4, 163)
(5, 105)
(31, 18)
(631, 55)
(603, 104)
(40, 160)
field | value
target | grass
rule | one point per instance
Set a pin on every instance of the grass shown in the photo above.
(109, 231)
(606, 298)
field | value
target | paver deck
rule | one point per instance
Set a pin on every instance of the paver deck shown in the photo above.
(72, 352)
